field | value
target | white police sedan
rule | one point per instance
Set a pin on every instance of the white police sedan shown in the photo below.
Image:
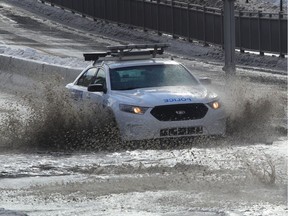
(149, 97)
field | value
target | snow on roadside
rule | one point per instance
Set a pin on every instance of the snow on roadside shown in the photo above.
(33, 54)
(115, 35)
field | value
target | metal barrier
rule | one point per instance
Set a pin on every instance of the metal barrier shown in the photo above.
(255, 31)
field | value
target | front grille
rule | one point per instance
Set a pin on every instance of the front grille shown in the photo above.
(181, 131)
(179, 112)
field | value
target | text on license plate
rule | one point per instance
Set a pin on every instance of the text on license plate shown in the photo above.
(181, 131)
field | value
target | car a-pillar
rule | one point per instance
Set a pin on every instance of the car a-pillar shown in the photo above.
(229, 37)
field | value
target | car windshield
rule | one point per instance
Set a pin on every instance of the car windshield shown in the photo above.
(146, 76)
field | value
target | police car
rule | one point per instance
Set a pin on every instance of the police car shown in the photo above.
(149, 97)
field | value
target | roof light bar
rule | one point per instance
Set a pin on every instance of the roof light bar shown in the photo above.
(137, 46)
(147, 52)
(120, 52)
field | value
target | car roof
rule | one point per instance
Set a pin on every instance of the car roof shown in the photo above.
(131, 63)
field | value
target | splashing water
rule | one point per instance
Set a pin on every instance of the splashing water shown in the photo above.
(251, 111)
(54, 121)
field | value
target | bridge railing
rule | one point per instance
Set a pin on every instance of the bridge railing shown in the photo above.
(255, 31)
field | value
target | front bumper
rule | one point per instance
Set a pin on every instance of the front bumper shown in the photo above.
(146, 126)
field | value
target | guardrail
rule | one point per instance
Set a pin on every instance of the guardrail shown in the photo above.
(255, 31)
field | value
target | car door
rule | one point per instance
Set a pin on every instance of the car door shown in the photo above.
(79, 89)
(98, 97)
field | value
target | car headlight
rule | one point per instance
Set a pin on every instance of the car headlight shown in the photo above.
(215, 105)
(133, 109)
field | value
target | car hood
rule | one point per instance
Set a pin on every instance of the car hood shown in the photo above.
(164, 96)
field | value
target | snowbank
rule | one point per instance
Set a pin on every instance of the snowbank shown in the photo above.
(35, 68)
(33, 54)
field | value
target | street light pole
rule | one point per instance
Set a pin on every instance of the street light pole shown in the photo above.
(281, 5)
(229, 37)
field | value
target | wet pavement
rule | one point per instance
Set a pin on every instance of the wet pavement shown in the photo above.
(238, 175)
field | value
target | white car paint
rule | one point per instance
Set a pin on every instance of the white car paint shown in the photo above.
(145, 126)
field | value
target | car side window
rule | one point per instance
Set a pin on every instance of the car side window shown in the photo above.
(100, 78)
(87, 77)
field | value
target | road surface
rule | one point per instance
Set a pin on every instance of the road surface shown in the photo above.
(243, 174)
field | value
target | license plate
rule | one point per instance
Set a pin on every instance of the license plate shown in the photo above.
(181, 131)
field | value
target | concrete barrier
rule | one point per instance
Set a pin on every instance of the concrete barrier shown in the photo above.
(36, 69)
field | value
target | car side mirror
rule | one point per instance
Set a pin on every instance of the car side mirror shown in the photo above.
(96, 88)
(205, 81)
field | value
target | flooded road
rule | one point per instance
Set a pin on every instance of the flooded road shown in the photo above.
(241, 174)
(228, 180)
(244, 173)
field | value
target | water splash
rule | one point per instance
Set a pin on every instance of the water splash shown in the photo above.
(54, 121)
(251, 111)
